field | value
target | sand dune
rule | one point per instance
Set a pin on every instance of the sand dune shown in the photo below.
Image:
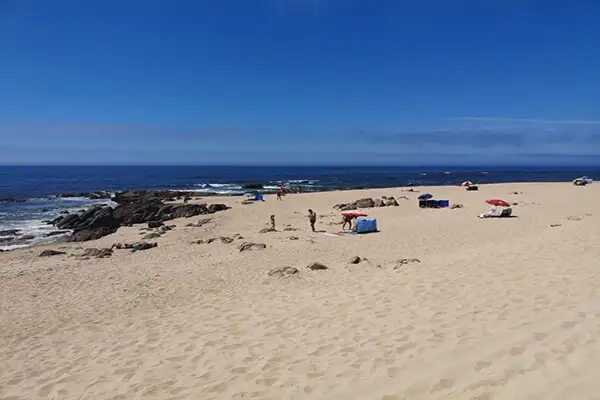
(505, 308)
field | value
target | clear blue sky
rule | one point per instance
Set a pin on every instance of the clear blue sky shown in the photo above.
(299, 81)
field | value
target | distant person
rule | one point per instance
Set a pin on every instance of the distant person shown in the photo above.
(186, 199)
(279, 194)
(272, 222)
(312, 218)
(347, 220)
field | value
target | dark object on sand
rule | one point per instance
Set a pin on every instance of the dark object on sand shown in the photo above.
(355, 260)
(97, 253)
(252, 246)
(283, 272)
(155, 224)
(472, 188)
(554, 225)
(317, 266)
(50, 253)
(405, 261)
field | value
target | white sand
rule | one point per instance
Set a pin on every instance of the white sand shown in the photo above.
(505, 308)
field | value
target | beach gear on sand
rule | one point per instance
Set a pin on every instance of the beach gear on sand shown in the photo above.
(497, 212)
(425, 196)
(497, 202)
(467, 183)
(353, 214)
(366, 225)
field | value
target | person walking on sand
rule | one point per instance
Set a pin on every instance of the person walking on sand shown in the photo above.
(312, 218)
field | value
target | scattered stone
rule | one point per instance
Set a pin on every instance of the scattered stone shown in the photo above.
(514, 204)
(226, 240)
(267, 230)
(554, 225)
(365, 203)
(354, 260)
(283, 272)
(378, 203)
(290, 229)
(316, 266)
(406, 261)
(391, 202)
(64, 212)
(456, 206)
(293, 238)
(98, 253)
(50, 253)
(143, 246)
(153, 235)
(155, 224)
(252, 246)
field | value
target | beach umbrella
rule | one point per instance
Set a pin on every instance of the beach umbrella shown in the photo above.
(496, 202)
(425, 196)
(467, 183)
(353, 214)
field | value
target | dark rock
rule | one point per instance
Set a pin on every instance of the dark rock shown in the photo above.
(50, 253)
(213, 208)
(391, 202)
(316, 266)
(26, 237)
(55, 233)
(68, 222)
(365, 203)
(10, 232)
(378, 203)
(89, 195)
(226, 240)
(143, 246)
(251, 246)
(91, 234)
(64, 212)
(354, 260)
(151, 236)
(456, 206)
(293, 238)
(97, 253)
(554, 225)
(155, 224)
(283, 272)
(290, 229)
(187, 211)
(267, 230)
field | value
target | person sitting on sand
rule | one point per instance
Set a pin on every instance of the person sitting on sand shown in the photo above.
(312, 218)
(273, 222)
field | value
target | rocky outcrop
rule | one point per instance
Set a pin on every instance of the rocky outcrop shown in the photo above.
(367, 203)
(50, 253)
(133, 208)
(99, 195)
(97, 253)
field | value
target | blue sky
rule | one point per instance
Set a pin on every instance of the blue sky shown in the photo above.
(299, 82)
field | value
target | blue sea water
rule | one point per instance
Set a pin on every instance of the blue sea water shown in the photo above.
(35, 185)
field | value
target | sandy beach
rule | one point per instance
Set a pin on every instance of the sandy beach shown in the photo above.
(495, 308)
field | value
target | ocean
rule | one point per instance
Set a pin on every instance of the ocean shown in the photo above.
(27, 193)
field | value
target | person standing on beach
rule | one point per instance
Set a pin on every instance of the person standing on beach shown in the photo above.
(273, 222)
(312, 218)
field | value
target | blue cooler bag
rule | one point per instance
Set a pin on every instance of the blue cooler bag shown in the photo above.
(366, 225)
